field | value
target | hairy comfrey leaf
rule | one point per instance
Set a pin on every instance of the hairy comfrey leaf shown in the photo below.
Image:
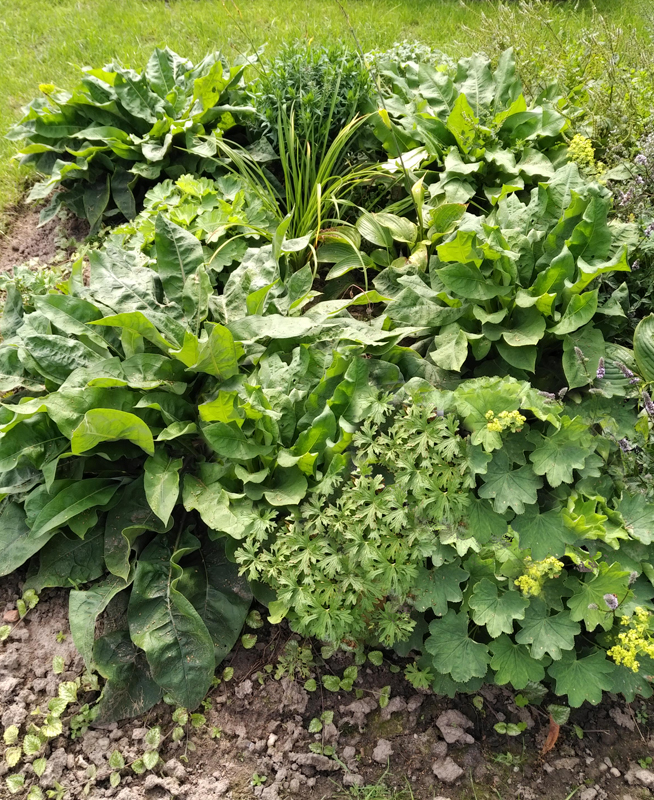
(108, 425)
(583, 679)
(453, 651)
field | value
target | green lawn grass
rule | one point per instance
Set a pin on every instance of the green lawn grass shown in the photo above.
(45, 41)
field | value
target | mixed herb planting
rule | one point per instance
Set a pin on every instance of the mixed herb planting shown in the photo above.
(372, 353)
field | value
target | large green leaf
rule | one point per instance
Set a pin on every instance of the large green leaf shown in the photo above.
(161, 483)
(433, 588)
(496, 611)
(35, 440)
(588, 603)
(230, 442)
(644, 347)
(129, 689)
(561, 451)
(219, 355)
(583, 679)
(543, 533)
(83, 610)
(65, 561)
(109, 425)
(55, 357)
(453, 651)
(127, 519)
(638, 516)
(163, 623)
(16, 544)
(579, 312)
(179, 255)
(513, 663)
(71, 501)
(218, 593)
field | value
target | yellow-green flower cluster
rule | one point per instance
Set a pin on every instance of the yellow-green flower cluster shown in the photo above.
(536, 573)
(636, 640)
(505, 420)
(582, 152)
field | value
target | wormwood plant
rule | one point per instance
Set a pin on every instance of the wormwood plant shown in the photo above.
(322, 88)
(118, 128)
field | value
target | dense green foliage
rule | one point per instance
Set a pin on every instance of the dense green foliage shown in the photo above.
(119, 127)
(455, 463)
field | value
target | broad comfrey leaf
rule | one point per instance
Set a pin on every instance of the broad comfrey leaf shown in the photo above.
(163, 623)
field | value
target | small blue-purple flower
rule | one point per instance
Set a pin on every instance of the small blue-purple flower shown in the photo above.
(641, 160)
(601, 369)
(647, 404)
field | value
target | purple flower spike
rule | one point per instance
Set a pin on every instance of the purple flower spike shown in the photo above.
(601, 370)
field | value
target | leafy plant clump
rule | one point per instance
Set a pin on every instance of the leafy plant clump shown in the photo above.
(119, 128)
(455, 463)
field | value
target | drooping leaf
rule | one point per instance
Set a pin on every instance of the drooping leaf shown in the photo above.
(109, 425)
(220, 596)
(179, 255)
(16, 544)
(129, 689)
(161, 483)
(71, 501)
(69, 561)
(164, 624)
(83, 610)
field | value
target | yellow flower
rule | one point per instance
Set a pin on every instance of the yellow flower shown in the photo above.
(506, 420)
(636, 640)
(536, 573)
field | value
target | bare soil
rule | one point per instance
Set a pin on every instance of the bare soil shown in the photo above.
(24, 240)
(264, 721)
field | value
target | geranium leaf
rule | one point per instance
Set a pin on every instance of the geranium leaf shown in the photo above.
(496, 611)
(433, 588)
(561, 451)
(454, 652)
(514, 664)
(584, 678)
(588, 603)
(547, 634)
(545, 534)
(509, 488)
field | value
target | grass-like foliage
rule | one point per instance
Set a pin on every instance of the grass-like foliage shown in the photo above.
(454, 463)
